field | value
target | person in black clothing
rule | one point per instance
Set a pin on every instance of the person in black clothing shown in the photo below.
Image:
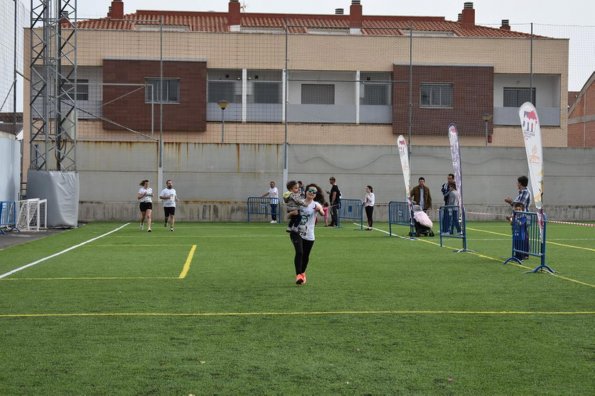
(445, 191)
(335, 201)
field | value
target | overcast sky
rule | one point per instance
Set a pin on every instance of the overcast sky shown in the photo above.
(575, 12)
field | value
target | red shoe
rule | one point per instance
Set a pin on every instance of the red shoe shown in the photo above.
(303, 274)
(299, 279)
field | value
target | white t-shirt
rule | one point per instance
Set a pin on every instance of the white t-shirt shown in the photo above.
(370, 199)
(148, 194)
(171, 201)
(308, 222)
(274, 195)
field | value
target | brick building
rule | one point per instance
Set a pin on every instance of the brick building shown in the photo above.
(581, 116)
(352, 79)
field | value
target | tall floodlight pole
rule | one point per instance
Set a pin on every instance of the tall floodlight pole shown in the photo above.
(53, 74)
(160, 98)
(52, 172)
(285, 100)
(14, 71)
(410, 110)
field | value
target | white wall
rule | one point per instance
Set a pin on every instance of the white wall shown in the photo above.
(547, 88)
(10, 167)
(214, 181)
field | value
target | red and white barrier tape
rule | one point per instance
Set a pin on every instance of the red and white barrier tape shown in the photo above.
(571, 223)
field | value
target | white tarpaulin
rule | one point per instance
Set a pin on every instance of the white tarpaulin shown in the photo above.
(10, 168)
(61, 189)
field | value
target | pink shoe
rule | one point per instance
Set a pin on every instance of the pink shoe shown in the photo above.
(299, 279)
(303, 274)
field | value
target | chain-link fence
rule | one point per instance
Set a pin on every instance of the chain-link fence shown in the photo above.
(271, 85)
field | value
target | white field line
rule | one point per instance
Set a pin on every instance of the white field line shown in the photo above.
(500, 260)
(59, 253)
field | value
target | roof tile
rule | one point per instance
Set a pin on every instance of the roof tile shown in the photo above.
(298, 23)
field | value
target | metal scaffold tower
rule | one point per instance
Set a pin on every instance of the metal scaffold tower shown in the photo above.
(53, 85)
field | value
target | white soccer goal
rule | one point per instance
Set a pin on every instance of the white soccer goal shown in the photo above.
(33, 215)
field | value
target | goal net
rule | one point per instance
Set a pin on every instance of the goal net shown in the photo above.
(33, 215)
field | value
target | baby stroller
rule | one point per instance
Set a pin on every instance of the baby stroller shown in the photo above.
(421, 221)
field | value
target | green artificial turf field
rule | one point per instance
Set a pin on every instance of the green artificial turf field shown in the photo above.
(213, 309)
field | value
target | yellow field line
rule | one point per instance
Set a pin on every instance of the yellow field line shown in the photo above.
(313, 313)
(187, 263)
(522, 266)
(138, 245)
(488, 232)
(90, 278)
(570, 246)
(548, 242)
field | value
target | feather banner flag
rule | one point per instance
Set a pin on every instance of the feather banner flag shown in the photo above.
(532, 136)
(404, 154)
(455, 153)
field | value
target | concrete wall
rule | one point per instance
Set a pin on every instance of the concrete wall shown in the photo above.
(213, 181)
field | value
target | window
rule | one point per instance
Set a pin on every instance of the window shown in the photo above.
(267, 92)
(427, 33)
(375, 94)
(515, 97)
(436, 95)
(318, 94)
(221, 90)
(170, 94)
(82, 89)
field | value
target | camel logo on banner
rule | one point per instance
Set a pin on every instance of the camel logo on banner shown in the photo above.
(532, 134)
(529, 122)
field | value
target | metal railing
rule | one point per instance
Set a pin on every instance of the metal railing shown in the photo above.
(263, 206)
(399, 213)
(528, 238)
(352, 209)
(8, 213)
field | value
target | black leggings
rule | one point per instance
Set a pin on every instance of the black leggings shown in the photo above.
(369, 212)
(303, 247)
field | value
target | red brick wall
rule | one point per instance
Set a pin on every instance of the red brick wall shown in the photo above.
(473, 89)
(581, 122)
(581, 134)
(131, 111)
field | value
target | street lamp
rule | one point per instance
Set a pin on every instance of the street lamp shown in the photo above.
(486, 119)
(222, 105)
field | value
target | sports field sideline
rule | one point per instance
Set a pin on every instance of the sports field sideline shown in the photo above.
(213, 308)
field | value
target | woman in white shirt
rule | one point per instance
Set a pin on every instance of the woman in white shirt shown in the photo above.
(303, 241)
(369, 201)
(145, 197)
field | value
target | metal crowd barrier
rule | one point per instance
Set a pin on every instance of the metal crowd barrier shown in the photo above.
(451, 216)
(8, 214)
(262, 206)
(399, 213)
(528, 238)
(351, 209)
